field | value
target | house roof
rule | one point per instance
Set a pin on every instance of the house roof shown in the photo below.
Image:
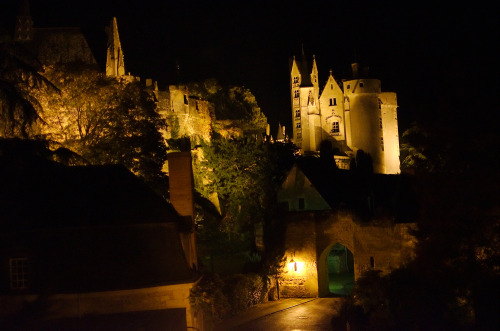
(43, 194)
(366, 194)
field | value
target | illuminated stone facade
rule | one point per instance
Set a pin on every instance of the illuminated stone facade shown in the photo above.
(324, 212)
(185, 115)
(358, 116)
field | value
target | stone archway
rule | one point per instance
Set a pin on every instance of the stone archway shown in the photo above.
(335, 271)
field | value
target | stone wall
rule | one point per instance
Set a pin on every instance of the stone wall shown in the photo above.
(310, 237)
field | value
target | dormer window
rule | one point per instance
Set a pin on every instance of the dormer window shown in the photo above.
(18, 273)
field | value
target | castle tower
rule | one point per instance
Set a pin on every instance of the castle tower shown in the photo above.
(360, 116)
(372, 124)
(115, 65)
(24, 24)
(306, 117)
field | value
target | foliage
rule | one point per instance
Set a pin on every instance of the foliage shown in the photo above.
(20, 76)
(221, 297)
(244, 172)
(233, 103)
(107, 121)
(208, 296)
(453, 279)
(418, 150)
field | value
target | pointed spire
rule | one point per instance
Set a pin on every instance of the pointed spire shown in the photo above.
(115, 65)
(24, 24)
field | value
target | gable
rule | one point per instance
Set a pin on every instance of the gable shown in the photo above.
(297, 193)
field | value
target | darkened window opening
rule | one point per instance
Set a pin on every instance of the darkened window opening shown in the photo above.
(301, 203)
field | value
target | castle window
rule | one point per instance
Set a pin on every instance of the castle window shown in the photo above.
(18, 273)
(295, 80)
(382, 143)
(372, 262)
(185, 99)
(299, 135)
(331, 86)
(297, 113)
(361, 84)
(333, 101)
(301, 203)
(297, 125)
(380, 122)
(348, 86)
(296, 94)
(335, 127)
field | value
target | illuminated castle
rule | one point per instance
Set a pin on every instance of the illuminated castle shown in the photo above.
(358, 116)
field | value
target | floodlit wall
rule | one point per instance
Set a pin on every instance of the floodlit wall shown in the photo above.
(310, 237)
(331, 104)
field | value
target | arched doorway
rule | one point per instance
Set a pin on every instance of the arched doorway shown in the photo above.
(340, 263)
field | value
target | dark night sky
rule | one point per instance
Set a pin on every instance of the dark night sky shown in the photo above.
(417, 49)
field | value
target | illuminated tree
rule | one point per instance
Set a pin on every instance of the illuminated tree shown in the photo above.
(20, 76)
(234, 103)
(105, 120)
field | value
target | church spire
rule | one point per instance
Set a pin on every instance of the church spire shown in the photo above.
(115, 65)
(24, 24)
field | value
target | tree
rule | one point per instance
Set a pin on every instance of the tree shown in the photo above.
(20, 76)
(233, 103)
(107, 121)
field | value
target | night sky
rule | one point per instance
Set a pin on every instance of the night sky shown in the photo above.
(418, 50)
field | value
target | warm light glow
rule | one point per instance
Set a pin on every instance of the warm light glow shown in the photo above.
(296, 266)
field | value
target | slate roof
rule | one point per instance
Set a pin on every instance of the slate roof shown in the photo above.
(366, 194)
(42, 194)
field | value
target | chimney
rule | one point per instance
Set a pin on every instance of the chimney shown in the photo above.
(355, 70)
(181, 186)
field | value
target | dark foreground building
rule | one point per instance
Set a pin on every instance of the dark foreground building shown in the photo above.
(90, 247)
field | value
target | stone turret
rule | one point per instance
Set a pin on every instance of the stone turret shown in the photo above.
(115, 65)
(24, 23)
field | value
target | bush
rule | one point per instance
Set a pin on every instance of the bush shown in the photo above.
(219, 298)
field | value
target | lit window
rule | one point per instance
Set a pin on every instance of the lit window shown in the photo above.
(361, 84)
(297, 113)
(297, 125)
(18, 273)
(301, 203)
(296, 94)
(382, 143)
(335, 127)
